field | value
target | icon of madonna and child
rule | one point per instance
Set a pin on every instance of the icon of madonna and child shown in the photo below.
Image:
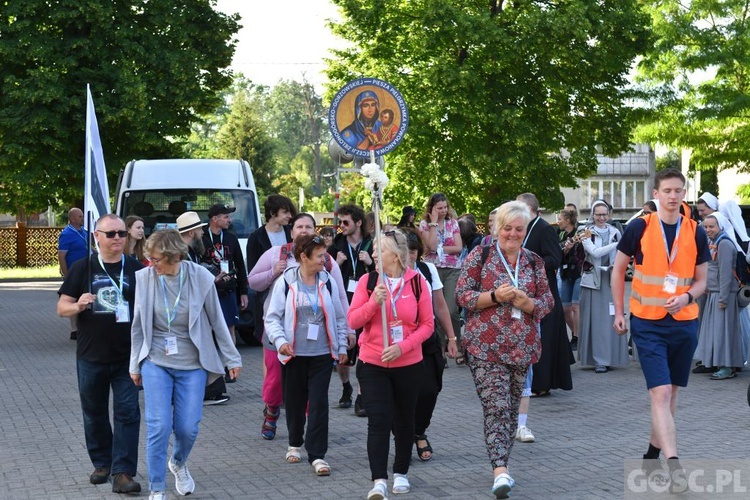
(372, 127)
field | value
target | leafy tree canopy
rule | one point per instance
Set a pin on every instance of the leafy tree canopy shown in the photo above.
(698, 76)
(496, 90)
(153, 66)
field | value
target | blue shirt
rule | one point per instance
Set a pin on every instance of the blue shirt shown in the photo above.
(73, 242)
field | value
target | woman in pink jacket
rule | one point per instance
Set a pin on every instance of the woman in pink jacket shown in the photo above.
(390, 376)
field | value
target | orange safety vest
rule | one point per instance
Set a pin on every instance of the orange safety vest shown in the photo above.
(648, 297)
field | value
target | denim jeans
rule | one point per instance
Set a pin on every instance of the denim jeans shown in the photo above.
(174, 401)
(116, 450)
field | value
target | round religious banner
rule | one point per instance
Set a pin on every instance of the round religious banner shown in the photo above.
(368, 115)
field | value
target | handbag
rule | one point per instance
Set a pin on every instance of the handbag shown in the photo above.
(743, 296)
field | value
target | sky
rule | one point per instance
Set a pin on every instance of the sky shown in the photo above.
(282, 39)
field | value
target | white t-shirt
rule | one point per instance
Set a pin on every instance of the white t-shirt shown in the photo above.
(278, 238)
(436, 283)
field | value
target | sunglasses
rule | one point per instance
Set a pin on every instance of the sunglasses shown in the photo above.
(316, 240)
(112, 234)
(345, 222)
(392, 234)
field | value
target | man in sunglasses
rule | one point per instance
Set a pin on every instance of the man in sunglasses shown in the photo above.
(101, 291)
(352, 249)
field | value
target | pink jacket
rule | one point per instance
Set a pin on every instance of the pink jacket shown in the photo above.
(364, 312)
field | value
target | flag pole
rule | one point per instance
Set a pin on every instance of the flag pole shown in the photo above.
(377, 198)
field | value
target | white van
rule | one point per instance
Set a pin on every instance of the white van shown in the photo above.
(159, 191)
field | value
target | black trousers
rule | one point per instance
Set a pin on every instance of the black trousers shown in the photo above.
(304, 381)
(389, 396)
(432, 384)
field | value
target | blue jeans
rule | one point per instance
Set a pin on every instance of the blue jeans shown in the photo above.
(118, 450)
(164, 388)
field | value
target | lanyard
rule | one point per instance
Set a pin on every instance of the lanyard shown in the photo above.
(171, 316)
(529, 233)
(352, 259)
(221, 244)
(394, 298)
(513, 279)
(80, 233)
(673, 254)
(122, 271)
(313, 303)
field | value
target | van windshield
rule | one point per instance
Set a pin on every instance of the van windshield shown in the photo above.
(160, 209)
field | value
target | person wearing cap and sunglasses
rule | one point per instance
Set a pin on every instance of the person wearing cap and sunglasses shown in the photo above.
(101, 291)
(306, 322)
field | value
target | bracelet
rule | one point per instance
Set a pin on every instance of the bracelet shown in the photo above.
(433, 224)
(452, 339)
(494, 299)
(690, 297)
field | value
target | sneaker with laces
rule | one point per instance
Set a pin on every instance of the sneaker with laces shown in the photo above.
(184, 483)
(524, 435)
(215, 400)
(158, 495)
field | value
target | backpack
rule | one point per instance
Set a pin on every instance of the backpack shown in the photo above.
(416, 285)
(741, 271)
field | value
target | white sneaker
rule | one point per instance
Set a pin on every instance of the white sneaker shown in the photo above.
(158, 495)
(502, 485)
(524, 435)
(184, 483)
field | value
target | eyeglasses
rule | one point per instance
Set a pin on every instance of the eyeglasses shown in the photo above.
(345, 222)
(601, 215)
(112, 234)
(156, 261)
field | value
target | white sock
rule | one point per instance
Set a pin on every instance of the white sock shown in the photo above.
(522, 419)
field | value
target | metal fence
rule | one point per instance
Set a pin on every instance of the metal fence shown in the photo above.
(24, 246)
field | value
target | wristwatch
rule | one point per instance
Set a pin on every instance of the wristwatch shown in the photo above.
(494, 299)
(690, 297)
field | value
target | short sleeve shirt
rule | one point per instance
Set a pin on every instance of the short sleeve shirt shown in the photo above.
(630, 244)
(445, 238)
(73, 242)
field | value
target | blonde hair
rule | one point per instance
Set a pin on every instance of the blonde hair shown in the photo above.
(510, 211)
(397, 242)
(169, 243)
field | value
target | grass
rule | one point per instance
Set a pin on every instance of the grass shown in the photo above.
(30, 273)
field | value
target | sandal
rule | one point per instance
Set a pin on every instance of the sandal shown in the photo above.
(293, 455)
(268, 429)
(378, 491)
(321, 467)
(400, 484)
(425, 449)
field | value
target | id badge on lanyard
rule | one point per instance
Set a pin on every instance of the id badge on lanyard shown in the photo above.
(670, 283)
(397, 331)
(122, 313)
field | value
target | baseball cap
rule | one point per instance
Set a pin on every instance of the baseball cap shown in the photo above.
(220, 209)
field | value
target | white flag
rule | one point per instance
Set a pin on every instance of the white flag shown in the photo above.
(96, 190)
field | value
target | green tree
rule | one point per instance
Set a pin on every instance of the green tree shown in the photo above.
(244, 135)
(698, 77)
(496, 90)
(154, 66)
(296, 118)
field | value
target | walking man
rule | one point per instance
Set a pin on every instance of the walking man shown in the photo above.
(671, 255)
(72, 246)
(101, 291)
